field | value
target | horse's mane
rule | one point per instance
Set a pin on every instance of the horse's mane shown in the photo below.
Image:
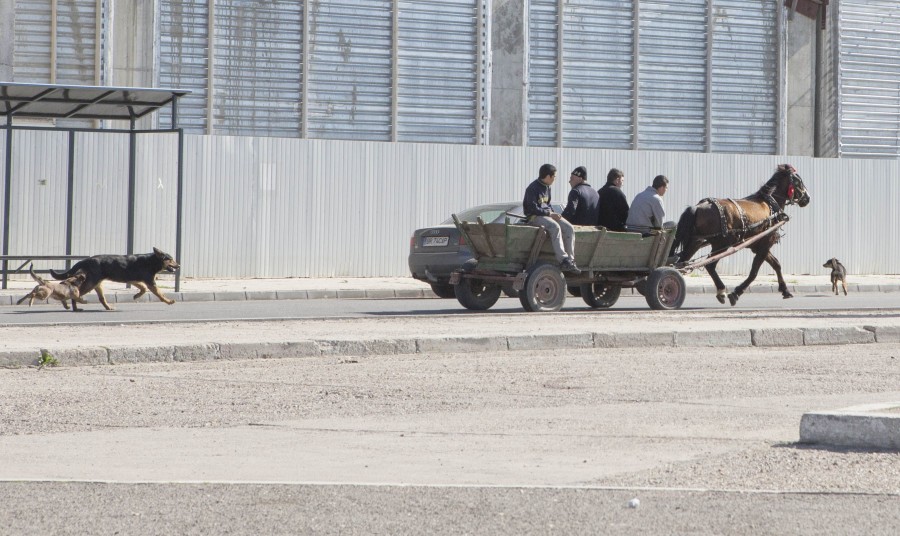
(768, 188)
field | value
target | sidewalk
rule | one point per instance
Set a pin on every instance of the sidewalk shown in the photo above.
(407, 287)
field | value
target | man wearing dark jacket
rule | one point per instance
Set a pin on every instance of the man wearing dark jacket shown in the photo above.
(612, 205)
(536, 205)
(582, 206)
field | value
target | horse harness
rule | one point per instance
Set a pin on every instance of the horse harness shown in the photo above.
(776, 213)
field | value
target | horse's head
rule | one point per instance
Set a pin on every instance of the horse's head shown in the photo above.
(787, 187)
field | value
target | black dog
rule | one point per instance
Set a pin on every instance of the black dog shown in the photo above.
(138, 270)
(838, 273)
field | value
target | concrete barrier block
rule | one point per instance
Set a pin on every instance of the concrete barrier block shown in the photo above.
(885, 333)
(234, 295)
(379, 293)
(636, 340)
(77, 357)
(776, 337)
(550, 342)
(291, 295)
(320, 294)
(351, 294)
(367, 347)
(196, 352)
(876, 427)
(737, 337)
(264, 350)
(19, 358)
(140, 354)
(262, 295)
(837, 335)
(461, 344)
(198, 296)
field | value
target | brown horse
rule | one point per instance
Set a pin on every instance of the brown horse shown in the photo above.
(722, 223)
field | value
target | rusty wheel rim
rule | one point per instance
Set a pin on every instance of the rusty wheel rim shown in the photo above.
(669, 291)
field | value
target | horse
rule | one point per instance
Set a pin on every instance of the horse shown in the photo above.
(722, 223)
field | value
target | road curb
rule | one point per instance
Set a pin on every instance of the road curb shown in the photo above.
(767, 337)
(870, 426)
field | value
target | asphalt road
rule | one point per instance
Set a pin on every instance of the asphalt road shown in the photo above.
(155, 311)
(449, 443)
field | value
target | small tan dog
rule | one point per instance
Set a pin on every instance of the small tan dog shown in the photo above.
(62, 291)
(838, 273)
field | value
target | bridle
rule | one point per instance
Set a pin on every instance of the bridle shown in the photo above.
(794, 189)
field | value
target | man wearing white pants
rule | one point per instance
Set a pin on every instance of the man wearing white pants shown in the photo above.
(540, 214)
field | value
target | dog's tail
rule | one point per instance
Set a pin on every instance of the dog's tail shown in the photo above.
(35, 276)
(64, 275)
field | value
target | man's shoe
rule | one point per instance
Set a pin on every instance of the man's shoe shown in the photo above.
(568, 266)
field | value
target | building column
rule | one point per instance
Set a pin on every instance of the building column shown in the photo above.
(508, 89)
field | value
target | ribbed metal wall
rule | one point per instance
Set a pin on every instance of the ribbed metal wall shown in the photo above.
(278, 207)
(745, 77)
(183, 64)
(33, 43)
(350, 64)
(703, 74)
(869, 65)
(256, 69)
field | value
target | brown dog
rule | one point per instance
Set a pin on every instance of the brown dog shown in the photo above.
(62, 291)
(838, 273)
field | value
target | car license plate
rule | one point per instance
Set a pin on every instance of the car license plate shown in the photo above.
(435, 241)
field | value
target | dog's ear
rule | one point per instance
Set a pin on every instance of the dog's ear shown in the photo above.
(158, 252)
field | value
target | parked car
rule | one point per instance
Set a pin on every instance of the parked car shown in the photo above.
(435, 252)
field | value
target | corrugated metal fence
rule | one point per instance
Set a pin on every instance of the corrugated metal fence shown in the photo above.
(281, 207)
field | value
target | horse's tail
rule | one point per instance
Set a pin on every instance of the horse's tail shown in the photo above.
(685, 231)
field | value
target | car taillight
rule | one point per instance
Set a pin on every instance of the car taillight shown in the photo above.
(412, 242)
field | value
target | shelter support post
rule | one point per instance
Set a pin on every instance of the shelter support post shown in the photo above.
(7, 189)
(179, 210)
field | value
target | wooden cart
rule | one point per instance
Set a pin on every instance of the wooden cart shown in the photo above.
(521, 256)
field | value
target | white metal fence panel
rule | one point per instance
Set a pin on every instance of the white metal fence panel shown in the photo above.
(598, 75)
(869, 60)
(256, 68)
(744, 76)
(350, 47)
(183, 60)
(278, 207)
(672, 75)
(438, 71)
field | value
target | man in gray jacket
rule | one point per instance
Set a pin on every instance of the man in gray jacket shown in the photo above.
(647, 211)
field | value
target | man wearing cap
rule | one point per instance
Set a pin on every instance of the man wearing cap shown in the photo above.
(582, 208)
(612, 205)
(647, 211)
(536, 205)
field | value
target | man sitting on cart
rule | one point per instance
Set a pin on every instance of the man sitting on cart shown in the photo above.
(540, 214)
(647, 211)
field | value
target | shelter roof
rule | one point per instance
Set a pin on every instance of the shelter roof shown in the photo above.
(52, 101)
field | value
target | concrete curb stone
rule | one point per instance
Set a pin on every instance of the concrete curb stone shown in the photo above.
(291, 295)
(769, 337)
(870, 426)
(731, 338)
(550, 342)
(320, 294)
(461, 344)
(230, 296)
(262, 295)
(268, 350)
(198, 296)
(367, 347)
(885, 333)
(837, 335)
(633, 340)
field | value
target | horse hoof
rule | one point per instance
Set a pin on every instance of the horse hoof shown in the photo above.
(787, 295)
(721, 298)
(733, 298)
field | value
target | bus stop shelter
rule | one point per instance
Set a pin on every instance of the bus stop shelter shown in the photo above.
(61, 102)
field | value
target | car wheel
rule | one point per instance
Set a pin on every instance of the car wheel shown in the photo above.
(475, 294)
(545, 289)
(665, 289)
(443, 290)
(600, 296)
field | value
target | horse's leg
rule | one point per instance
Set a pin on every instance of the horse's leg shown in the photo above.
(754, 269)
(782, 286)
(720, 286)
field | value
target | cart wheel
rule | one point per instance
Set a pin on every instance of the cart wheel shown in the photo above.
(545, 289)
(575, 290)
(600, 296)
(510, 291)
(443, 290)
(475, 294)
(665, 289)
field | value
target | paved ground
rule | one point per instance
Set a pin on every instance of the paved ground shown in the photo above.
(466, 424)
